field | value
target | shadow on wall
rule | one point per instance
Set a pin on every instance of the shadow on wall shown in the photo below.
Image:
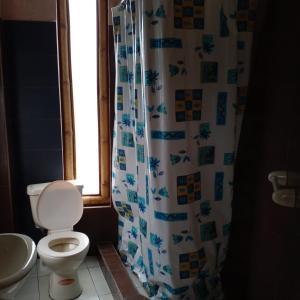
(6, 210)
(263, 260)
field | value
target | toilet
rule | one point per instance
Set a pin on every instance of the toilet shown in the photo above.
(57, 207)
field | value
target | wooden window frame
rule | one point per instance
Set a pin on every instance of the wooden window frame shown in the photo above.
(68, 128)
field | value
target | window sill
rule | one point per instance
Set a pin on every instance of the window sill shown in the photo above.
(97, 200)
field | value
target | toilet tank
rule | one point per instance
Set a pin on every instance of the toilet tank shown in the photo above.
(34, 191)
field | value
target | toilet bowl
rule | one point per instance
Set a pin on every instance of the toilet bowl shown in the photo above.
(17, 257)
(57, 207)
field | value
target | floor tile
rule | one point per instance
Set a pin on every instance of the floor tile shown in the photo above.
(91, 261)
(33, 272)
(84, 297)
(99, 282)
(82, 266)
(44, 287)
(42, 270)
(107, 297)
(86, 282)
(29, 291)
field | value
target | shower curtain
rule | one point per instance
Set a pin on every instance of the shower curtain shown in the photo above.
(181, 85)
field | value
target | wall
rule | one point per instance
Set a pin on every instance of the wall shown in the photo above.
(263, 260)
(32, 95)
(29, 10)
(10, 10)
(6, 207)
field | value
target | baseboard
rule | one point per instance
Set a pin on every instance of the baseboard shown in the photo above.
(116, 275)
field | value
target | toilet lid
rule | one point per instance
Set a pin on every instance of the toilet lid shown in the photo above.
(59, 206)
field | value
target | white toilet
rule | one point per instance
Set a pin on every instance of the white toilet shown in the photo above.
(57, 207)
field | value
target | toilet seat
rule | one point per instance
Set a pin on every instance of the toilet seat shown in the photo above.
(59, 206)
(44, 249)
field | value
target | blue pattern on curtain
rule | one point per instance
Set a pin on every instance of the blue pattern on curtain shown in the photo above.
(181, 86)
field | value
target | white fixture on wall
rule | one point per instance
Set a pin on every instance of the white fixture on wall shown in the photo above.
(286, 186)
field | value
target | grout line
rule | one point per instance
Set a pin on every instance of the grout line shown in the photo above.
(95, 284)
(90, 268)
(37, 278)
(38, 284)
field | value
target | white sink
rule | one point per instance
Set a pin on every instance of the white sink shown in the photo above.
(17, 257)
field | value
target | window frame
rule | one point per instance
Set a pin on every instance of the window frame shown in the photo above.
(67, 112)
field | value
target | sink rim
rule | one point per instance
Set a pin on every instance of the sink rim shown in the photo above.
(27, 264)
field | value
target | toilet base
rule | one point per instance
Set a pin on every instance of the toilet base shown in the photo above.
(64, 287)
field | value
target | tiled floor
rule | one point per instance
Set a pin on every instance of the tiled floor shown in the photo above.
(90, 275)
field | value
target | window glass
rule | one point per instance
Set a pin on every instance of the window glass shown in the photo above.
(83, 46)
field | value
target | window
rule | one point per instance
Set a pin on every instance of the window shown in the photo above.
(83, 61)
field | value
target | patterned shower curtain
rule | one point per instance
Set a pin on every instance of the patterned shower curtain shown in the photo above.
(181, 85)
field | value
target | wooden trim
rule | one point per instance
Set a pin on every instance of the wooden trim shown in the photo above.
(94, 200)
(103, 99)
(29, 10)
(66, 95)
(1, 13)
(68, 131)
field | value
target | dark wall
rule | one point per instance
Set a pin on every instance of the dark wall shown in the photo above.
(6, 208)
(263, 261)
(33, 110)
(34, 124)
